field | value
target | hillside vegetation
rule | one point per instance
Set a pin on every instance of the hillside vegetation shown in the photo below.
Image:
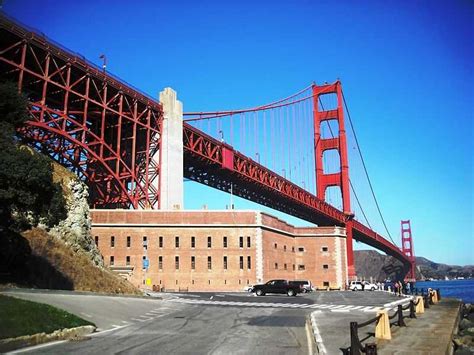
(53, 264)
(370, 263)
(45, 239)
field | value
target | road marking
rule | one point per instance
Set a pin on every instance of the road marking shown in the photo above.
(308, 337)
(109, 330)
(396, 302)
(340, 310)
(37, 347)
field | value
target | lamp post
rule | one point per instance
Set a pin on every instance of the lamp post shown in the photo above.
(104, 62)
(257, 155)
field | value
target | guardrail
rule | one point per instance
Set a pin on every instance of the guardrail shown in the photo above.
(356, 348)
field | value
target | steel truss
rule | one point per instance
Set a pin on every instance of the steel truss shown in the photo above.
(105, 131)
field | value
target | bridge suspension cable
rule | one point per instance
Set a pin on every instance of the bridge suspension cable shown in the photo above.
(365, 167)
(277, 135)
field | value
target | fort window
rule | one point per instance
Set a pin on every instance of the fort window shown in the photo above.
(224, 242)
(127, 260)
(325, 266)
(97, 240)
(209, 262)
(129, 241)
(241, 242)
(293, 267)
(285, 267)
(241, 263)
(276, 266)
(193, 242)
(248, 242)
(284, 248)
(249, 262)
(209, 242)
(160, 242)
(112, 241)
(275, 245)
(111, 261)
(324, 249)
(160, 262)
(176, 242)
(193, 262)
(326, 283)
(301, 249)
(225, 262)
(301, 267)
(176, 262)
(292, 249)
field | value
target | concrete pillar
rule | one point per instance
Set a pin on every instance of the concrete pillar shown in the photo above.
(171, 174)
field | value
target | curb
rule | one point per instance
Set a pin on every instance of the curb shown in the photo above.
(320, 348)
(41, 338)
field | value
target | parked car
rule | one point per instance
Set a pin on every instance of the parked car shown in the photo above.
(248, 288)
(277, 286)
(306, 285)
(362, 285)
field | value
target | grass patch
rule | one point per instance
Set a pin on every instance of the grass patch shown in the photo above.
(20, 317)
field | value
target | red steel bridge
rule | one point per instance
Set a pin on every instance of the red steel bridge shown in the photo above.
(109, 133)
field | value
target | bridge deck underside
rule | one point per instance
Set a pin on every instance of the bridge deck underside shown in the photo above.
(213, 175)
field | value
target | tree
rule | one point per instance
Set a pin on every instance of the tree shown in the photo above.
(28, 194)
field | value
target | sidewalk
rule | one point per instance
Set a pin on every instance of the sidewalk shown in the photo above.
(430, 333)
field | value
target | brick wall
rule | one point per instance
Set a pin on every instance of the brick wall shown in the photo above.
(234, 225)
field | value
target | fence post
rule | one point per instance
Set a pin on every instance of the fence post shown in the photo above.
(371, 349)
(401, 323)
(355, 350)
(412, 309)
(382, 328)
(426, 301)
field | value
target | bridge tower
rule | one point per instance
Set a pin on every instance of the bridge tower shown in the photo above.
(338, 143)
(407, 247)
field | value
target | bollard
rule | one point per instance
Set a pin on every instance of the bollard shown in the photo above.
(420, 307)
(401, 323)
(371, 349)
(382, 328)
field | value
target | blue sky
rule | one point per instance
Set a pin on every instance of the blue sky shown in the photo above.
(406, 69)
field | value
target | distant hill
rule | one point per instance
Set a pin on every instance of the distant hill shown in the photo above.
(370, 263)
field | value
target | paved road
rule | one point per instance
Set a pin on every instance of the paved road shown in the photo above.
(206, 323)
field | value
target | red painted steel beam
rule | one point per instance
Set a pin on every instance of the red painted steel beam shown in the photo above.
(85, 118)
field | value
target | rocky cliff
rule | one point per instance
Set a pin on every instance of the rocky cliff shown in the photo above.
(75, 229)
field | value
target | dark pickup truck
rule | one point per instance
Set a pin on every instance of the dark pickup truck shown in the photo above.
(277, 286)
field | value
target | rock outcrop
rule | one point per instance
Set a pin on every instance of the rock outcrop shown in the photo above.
(75, 230)
(464, 340)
